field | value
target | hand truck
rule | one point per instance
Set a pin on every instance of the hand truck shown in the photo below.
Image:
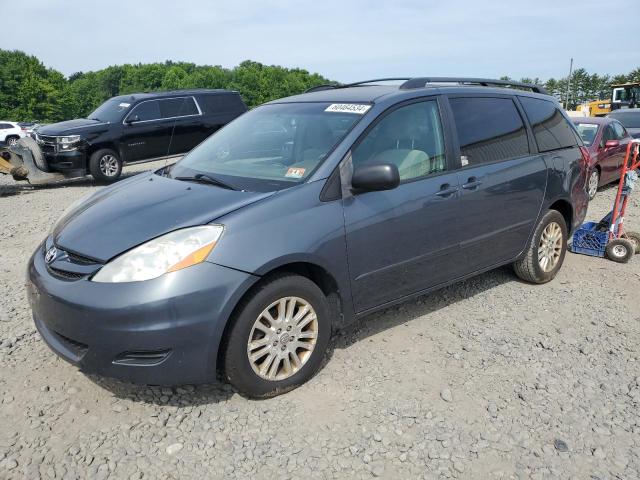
(608, 237)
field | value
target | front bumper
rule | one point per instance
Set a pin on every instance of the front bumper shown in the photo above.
(66, 161)
(164, 331)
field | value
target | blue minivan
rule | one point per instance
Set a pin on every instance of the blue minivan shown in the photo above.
(301, 216)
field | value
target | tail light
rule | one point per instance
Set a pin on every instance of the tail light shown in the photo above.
(586, 160)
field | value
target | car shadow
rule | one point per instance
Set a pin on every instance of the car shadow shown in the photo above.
(360, 330)
(180, 396)
(417, 307)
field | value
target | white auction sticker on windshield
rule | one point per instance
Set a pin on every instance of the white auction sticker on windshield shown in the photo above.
(124, 105)
(348, 108)
(295, 172)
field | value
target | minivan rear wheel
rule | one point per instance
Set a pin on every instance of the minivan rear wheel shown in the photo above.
(105, 165)
(546, 251)
(279, 337)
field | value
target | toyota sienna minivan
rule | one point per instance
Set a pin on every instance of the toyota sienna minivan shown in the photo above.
(301, 216)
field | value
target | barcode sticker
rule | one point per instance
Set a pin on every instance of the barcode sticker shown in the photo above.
(348, 108)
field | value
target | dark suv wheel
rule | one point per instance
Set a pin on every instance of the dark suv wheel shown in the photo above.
(546, 251)
(279, 337)
(105, 165)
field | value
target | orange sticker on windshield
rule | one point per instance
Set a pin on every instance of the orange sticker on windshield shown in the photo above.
(295, 172)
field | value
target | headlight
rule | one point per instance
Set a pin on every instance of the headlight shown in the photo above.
(168, 253)
(68, 143)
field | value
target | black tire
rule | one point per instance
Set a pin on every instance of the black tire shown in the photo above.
(36, 152)
(593, 180)
(634, 237)
(620, 250)
(237, 366)
(105, 165)
(529, 267)
(11, 140)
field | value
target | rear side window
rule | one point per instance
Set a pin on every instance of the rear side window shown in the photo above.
(221, 103)
(178, 107)
(489, 130)
(550, 128)
(4, 126)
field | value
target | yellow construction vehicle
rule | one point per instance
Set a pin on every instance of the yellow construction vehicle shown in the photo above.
(24, 161)
(596, 108)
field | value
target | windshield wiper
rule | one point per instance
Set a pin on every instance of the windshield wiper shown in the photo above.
(204, 178)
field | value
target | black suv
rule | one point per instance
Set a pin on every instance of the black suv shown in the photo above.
(136, 128)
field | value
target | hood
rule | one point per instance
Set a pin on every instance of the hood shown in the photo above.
(129, 213)
(634, 132)
(69, 127)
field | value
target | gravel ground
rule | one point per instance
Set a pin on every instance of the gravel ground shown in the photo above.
(490, 378)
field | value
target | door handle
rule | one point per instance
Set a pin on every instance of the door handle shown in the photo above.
(446, 190)
(472, 183)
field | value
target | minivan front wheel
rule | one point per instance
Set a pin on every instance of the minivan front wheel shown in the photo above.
(546, 251)
(105, 165)
(279, 337)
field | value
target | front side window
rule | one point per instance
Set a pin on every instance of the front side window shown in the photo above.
(178, 107)
(409, 137)
(587, 132)
(145, 111)
(621, 133)
(608, 133)
(273, 146)
(489, 130)
(550, 128)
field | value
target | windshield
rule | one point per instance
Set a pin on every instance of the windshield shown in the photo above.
(628, 119)
(272, 147)
(110, 111)
(588, 132)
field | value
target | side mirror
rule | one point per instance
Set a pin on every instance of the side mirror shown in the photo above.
(611, 144)
(375, 177)
(131, 119)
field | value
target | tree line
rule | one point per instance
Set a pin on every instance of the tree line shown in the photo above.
(584, 86)
(31, 91)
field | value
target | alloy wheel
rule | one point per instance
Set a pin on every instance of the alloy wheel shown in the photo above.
(550, 247)
(12, 142)
(109, 165)
(594, 178)
(282, 338)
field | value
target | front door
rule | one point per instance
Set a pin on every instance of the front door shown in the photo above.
(145, 133)
(403, 240)
(609, 158)
(502, 185)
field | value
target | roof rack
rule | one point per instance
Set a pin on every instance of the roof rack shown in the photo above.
(421, 82)
(330, 86)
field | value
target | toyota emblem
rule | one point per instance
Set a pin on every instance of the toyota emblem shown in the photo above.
(51, 254)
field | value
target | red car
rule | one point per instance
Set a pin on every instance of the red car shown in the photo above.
(606, 139)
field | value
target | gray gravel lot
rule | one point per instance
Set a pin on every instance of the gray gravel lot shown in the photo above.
(490, 378)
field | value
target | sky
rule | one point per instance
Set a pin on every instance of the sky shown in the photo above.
(342, 40)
